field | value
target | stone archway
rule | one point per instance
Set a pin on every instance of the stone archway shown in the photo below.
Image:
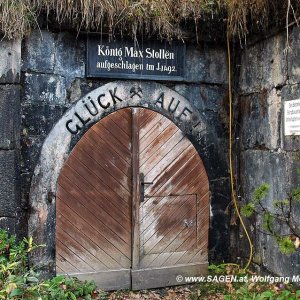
(78, 119)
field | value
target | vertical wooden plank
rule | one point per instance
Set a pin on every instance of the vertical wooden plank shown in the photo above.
(135, 190)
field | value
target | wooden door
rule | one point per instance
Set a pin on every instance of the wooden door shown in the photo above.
(93, 206)
(132, 204)
(171, 231)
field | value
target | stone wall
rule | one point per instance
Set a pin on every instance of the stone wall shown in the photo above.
(41, 81)
(44, 75)
(53, 78)
(269, 75)
(11, 208)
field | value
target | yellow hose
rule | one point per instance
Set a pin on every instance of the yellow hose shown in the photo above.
(230, 156)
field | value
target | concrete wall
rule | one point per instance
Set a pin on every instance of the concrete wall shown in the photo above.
(35, 94)
(268, 76)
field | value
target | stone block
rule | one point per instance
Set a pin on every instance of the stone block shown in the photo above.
(9, 116)
(219, 238)
(204, 97)
(263, 65)
(9, 196)
(273, 260)
(293, 167)
(290, 92)
(279, 170)
(206, 64)
(10, 61)
(260, 120)
(215, 157)
(294, 55)
(221, 200)
(212, 102)
(39, 119)
(258, 167)
(45, 88)
(30, 148)
(70, 57)
(38, 54)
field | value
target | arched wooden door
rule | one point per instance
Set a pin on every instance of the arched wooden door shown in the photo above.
(132, 204)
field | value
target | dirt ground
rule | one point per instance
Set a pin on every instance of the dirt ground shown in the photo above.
(191, 292)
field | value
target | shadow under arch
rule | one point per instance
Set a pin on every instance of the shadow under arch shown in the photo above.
(87, 111)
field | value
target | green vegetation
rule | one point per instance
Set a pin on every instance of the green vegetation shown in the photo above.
(277, 221)
(19, 281)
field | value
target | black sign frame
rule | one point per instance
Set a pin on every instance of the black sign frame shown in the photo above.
(179, 50)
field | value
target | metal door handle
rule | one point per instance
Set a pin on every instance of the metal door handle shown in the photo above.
(142, 186)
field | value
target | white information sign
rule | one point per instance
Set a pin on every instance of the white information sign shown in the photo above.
(292, 117)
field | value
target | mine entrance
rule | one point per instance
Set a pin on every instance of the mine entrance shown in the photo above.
(132, 204)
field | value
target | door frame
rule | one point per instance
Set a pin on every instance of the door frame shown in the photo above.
(81, 116)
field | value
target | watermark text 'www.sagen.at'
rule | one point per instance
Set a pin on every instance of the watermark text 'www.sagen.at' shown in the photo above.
(234, 278)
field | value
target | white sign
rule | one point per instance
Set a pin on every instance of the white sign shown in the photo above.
(292, 117)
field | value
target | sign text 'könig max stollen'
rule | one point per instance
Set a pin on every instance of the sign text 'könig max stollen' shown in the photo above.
(292, 117)
(152, 60)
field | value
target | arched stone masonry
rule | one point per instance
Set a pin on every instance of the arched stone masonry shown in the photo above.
(80, 117)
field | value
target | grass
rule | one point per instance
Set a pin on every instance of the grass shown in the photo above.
(162, 18)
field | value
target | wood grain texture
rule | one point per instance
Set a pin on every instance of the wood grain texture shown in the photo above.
(93, 208)
(108, 280)
(132, 200)
(175, 214)
(165, 276)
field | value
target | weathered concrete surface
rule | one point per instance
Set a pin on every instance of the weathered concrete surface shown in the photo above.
(46, 88)
(263, 65)
(258, 167)
(70, 57)
(81, 87)
(9, 116)
(276, 262)
(204, 97)
(30, 146)
(268, 78)
(212, 103)
(50, 53)
(206, 64)
(38, 52)
(294, 55)
(39, 119)
(219, 239)
(260, 120)
(9, 196)
(10, 120)
(10, 61)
